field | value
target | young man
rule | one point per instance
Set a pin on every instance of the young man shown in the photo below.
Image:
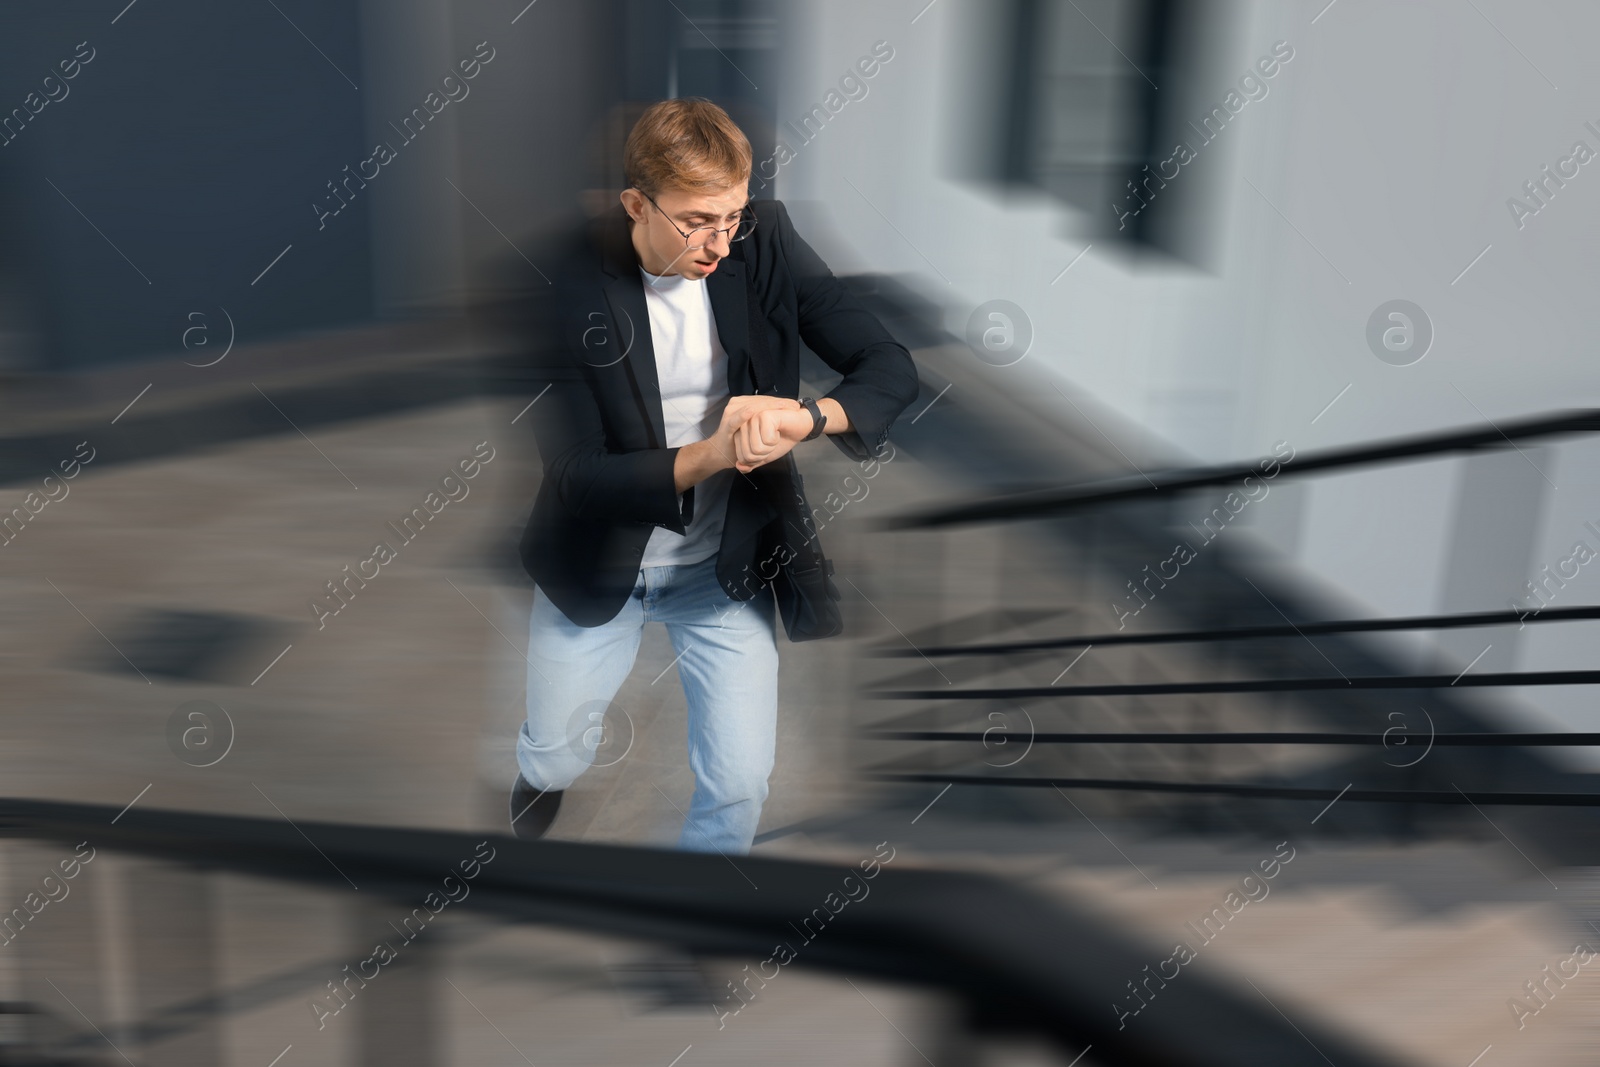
(653, 440)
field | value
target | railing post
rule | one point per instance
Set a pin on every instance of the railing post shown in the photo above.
(171, 937)
(398, 1013)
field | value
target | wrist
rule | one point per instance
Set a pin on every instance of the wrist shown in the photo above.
(796, 424)
(707, 457)
(695, 462)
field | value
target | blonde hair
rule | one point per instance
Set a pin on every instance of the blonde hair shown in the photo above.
(688, 144)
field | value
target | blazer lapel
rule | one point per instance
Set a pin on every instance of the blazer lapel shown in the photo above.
(730, 306)
(625, 297)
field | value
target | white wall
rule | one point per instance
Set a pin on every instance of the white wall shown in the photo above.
(1390, 144)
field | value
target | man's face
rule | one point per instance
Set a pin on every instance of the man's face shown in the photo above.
(662, 249)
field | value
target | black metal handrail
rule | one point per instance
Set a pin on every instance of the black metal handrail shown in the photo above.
(1460, 620)
(1513, 771)
(1257, 791)
(1042, 502)
(1304, 737)
(1047, 969)
(1250, 685)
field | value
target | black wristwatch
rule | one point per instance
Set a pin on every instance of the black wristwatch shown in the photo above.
(818, 419)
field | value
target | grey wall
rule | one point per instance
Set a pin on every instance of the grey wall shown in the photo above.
(176, 165)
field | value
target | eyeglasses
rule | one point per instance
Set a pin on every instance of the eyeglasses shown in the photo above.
(737, 232)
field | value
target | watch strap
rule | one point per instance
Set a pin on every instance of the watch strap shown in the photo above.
(818, 420)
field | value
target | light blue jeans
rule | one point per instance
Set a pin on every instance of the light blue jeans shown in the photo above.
(727, 658)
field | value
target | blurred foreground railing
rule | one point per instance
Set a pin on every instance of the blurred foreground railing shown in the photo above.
(1016, 962)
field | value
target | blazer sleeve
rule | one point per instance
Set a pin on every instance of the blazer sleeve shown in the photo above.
(880, 377)
(592, 481)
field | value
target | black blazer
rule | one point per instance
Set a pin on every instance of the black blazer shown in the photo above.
(608, 478)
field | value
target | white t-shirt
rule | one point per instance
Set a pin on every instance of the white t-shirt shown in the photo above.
(693, 371)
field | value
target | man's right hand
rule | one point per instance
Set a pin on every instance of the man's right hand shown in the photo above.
(697, 462)
(742, 407)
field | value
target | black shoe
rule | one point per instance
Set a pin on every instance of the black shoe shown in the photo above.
(533, 810)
